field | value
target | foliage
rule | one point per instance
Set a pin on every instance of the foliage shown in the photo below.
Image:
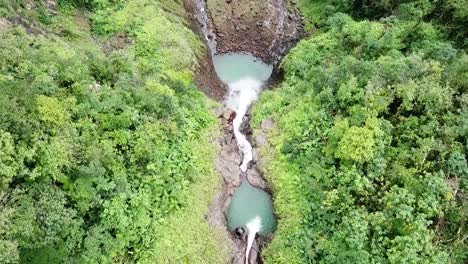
(105, 154)
(449, 15)
(369, 151)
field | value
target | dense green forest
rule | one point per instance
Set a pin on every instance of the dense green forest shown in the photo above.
(369, 156)
(105, 147)
(106, 143)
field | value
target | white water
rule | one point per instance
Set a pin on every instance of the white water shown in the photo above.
(241, 95)
(206, 25)
(253, 227)
(244, 74)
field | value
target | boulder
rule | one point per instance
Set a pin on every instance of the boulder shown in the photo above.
(256, 179)
(268, 124)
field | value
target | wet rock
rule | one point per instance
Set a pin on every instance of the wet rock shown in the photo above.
(227, 113)
(228, 128)
(228, 160)
(238, 256)
(254, 252)
(256, 179)
(244, 129)
(226, 204)
(268, 124)
(230, 189)
(228, 169)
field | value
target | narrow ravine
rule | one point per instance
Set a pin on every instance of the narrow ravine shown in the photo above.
(251, 209)
(237, 68)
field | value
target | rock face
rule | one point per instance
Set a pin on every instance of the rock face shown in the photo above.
(268, 124)
(51, 7)
(4, 24)
(266, 28)
(254, 177)
(227, 164)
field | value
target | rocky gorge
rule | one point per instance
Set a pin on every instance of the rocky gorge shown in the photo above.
(266, 29)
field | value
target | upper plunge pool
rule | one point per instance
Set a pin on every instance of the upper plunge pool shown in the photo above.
(233, 67)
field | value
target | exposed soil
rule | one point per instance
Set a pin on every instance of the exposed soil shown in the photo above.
(4, 24)
(117, 42)
(29, 25)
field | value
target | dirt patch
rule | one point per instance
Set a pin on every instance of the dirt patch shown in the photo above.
(4, 24)
(118, 42)
(29, 25)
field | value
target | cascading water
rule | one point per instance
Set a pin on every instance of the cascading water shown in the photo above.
(206, 26)
(241, 95)
(244, 75)
(250, 208)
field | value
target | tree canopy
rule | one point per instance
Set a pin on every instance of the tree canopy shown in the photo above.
(368, 162)
(105, 153)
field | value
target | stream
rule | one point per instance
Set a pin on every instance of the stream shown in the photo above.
(251, 210)
(244, 74)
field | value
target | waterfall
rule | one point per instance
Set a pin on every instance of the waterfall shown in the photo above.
(250, 207)
(253, 227)
(206, 25)
(241, 95)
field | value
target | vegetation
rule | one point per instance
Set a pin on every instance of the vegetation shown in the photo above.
(369, 155)
(105, 153)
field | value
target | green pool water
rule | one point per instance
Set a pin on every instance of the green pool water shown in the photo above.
(249, 202)
(233, 67)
